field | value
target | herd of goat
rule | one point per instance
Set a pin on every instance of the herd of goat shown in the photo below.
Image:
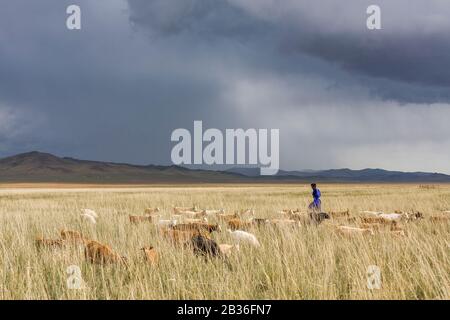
(190, 227)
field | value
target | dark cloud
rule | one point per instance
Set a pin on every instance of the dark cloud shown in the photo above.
(139, 69)
(416, 56)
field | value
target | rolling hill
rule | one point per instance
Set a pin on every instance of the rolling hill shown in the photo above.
(44, 167)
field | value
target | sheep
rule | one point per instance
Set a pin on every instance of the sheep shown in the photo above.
(242, 236)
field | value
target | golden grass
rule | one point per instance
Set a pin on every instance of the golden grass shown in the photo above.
(310, 262)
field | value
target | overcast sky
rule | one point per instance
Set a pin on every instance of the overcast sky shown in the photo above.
(341, 95)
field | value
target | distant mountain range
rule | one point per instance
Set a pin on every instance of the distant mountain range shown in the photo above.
(348, 175)
(44, 167)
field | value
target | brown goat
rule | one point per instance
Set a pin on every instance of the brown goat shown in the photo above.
(199, 226)
(151, 255)
(138, 219)
(98, 253)
(49, 243)
(237, 224)
(73, 237)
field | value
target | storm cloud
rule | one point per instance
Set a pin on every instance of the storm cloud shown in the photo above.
(341, 95)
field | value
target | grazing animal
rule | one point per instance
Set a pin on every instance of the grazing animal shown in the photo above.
(339, 214)
(228, 249)
(208, 248)
(188, 220)
(199, 226)
(260, 221)
(248, 211)
(88, 218)
(98, 253)
(191, 214)
(283, 222)
(289, 211)
(391, 216)
(440, 219)
(318, 217)
(166, 223)
(151, 210)
(213, 212)
(375, 213)
(298, 216)
(49, 243)
(73, 237)
(138, 219)
(398, 232)
(396, 216)
(236, 224)
(151, 255)
(373, 220)
(90, 212)
(373, 226)
(346, 230)
(179, 236)
(415, 215)
(244, 237)
(227, 217)
(205, 246)
(177, 210)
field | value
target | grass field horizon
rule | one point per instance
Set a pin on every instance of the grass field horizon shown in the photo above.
(307, 262)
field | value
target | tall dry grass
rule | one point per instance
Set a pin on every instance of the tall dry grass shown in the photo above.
(311, 262)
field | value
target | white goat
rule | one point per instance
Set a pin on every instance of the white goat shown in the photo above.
(89, 218)
(243, 236)
(90, 212)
